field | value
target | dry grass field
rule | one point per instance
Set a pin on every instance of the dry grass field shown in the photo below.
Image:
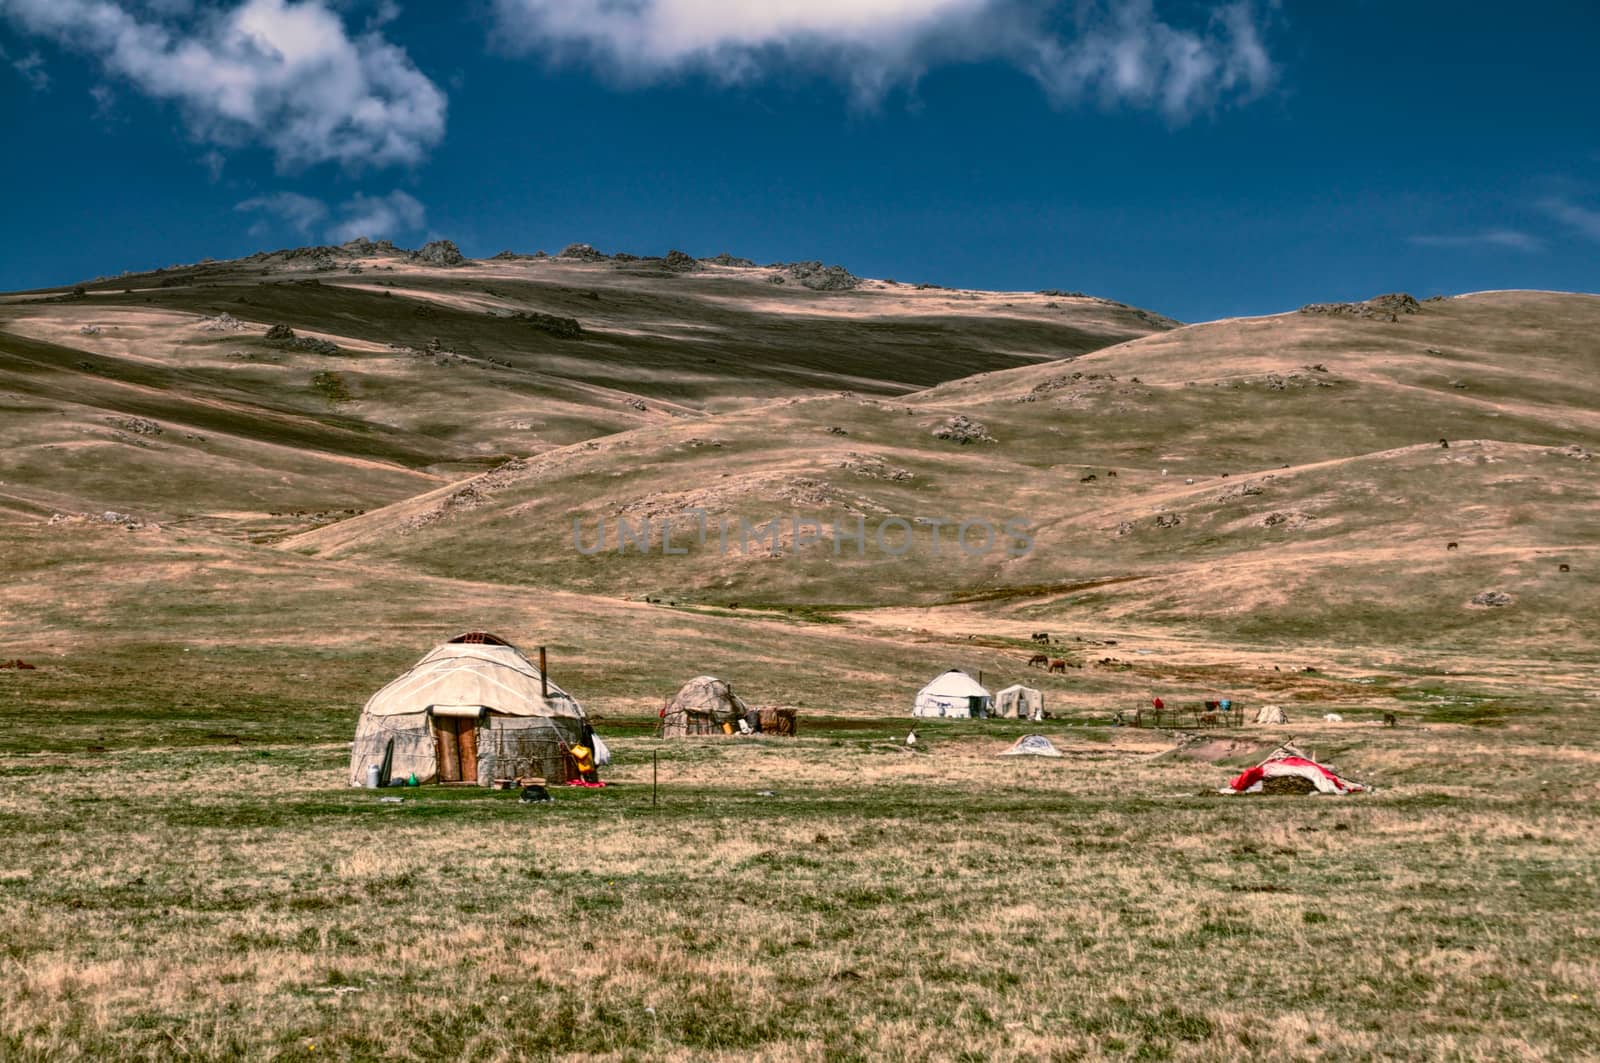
(186, 875)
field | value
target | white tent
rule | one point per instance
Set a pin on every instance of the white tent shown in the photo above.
(474, 709)
(1019, 702)
(954, 694)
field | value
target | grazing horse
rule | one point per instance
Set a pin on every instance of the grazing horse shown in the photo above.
(1444, 444)
(1389, 719)
(1038, 660)
(1042, 636)
(1111, 474)
(1452, 546)
(1058, 665)
(1089, 479)
(1565, 567)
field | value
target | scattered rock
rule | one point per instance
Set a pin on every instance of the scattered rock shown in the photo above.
(566, 328)
(223, 322)
(679, 262)
(1247, 489)
(122, 520)
(1280, 382)
(637, 404)
(282, 336)
(726, 259)
(1572, 450)
(89, 330)
(1291, 521)
(439, 253)
(775, 279)
(139, 426)
(962, 429)
(820, 278)
(1381, 307)
(835, 430)
(874, 467)
(582, 253)
(1169, 520)
(1087, 383)
(1124, 528)
(1492, 598)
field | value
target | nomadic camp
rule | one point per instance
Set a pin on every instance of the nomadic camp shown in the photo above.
(954, 694)
(1019, 702)
(474, 709)
(702, 706)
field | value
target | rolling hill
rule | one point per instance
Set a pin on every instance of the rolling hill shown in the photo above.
(1296, 476)
(170, 396)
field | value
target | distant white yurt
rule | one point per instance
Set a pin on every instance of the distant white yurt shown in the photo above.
(474, 709)
(1019, 702)
(954, 694)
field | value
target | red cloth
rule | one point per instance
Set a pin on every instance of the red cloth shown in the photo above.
(1250, 776)
(1158, 703)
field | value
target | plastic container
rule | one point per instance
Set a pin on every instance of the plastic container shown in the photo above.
(372, 776)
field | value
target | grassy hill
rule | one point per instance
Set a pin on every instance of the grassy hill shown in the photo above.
(401, 375)
(1286, 477)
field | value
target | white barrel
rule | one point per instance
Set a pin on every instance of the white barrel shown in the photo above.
(372, 776)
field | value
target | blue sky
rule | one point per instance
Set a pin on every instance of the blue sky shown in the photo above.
(1200, 159)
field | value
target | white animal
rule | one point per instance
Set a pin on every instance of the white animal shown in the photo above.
(1334, 717)
(911, 739)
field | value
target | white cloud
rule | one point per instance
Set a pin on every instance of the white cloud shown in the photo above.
(1581, 220)
(1509, 239)
(1119, 52)
(376, 217)
(297, 212)
(31, 68)
(284, 73)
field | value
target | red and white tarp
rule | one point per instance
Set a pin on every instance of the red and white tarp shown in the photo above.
(1326, 782)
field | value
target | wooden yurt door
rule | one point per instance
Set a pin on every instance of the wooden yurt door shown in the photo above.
(455, 746)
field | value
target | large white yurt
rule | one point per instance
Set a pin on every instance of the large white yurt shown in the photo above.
(954, 694)
(474, 709)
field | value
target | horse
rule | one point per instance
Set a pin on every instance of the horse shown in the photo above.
(1038, 660)
(1452, 546)
(1058, 665)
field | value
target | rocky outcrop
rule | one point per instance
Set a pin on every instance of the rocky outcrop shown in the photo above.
(223, 322)
(1381, 307)
(581, 253)
(820, 278)
(962, 429)
(283, 337)
(439, 253)
(565, 328)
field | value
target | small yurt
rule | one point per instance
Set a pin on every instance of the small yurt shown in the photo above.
(704, 705)
(954, 694)
(474, 709)
(1019, 702)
